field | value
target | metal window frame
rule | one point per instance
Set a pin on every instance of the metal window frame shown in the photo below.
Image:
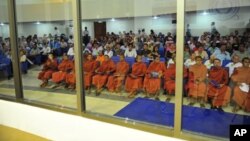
(81, 103)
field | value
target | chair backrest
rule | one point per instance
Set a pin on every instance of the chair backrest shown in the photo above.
(162, 51)
(225, 62)
(130, 60)
(116, 59)
(162, 59)
(5, 60)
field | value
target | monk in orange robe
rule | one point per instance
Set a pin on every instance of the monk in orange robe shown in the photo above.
(64, 67)
(49, 68)
(135, 78)
(240, 76)
(89, 68)
(115, 81)
(100, 58)
(196, 83)
(70, 79)
(102, 73)
(152, 80)
(169, 78)
(218, 92)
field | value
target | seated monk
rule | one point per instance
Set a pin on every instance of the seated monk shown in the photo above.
(115, 81)
(241, 78)
(134, 79)
(70, 79)
(102, 73)
(89, 67)
(169, 79)
(64, 67)
(49, 68)
(152, 80)
(196, 83)
(218, 92)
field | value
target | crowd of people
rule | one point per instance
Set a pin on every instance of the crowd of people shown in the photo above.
(216, 68)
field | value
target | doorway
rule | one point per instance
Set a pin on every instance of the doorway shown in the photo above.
(99, 29)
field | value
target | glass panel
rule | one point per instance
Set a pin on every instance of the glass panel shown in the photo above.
(6, 74)
(115, 32)
(217, 40)
(46, 52)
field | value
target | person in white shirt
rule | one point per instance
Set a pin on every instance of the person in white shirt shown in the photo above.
(191, 61)
(130, 52)
(201, 52)
(234, 64)
(209, 63)
(56, 31)
(46, 50)
(108, 52)
(85, 32)
(71, 40)
(71, 50)
(242, 52)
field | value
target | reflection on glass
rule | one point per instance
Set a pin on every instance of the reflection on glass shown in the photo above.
(217, 58)
(129, 67)
(6, 73)
(46, 52)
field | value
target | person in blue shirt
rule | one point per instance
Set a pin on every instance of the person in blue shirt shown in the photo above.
(222, 54)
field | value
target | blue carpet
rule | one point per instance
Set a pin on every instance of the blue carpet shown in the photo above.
(194, 119)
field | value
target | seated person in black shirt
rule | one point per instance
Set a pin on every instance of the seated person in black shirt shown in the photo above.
(145, 52)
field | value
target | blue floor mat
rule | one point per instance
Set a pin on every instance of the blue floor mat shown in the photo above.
(194, 119)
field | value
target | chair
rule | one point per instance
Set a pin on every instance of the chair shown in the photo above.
(146, 60)
(161, 52)
(162, 59)
(225, 62)
(130, 60)
(116, 59)
(24, 66)
(5, 66)
(38, 59)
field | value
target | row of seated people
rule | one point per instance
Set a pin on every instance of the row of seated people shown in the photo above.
(5, 66)
(199, 87)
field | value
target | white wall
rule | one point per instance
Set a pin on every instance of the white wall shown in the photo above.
(199, 23)
(225, 22)
(63, 127)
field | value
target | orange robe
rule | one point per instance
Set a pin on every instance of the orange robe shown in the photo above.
(49, 68)
(63, 67)
(100, 58)
(221, 96)
(100, 79)
(241, 75)
(116, 80)
(70, 77)
(89, 69)
(153, 85)
(169, 77)
(197, 72)
(134, 80)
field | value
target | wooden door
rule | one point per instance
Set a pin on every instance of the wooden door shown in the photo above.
(100, 29)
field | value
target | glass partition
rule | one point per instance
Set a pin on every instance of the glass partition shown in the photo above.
(216, 56)
(47, 52)
(6, 73)
(129, 53)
